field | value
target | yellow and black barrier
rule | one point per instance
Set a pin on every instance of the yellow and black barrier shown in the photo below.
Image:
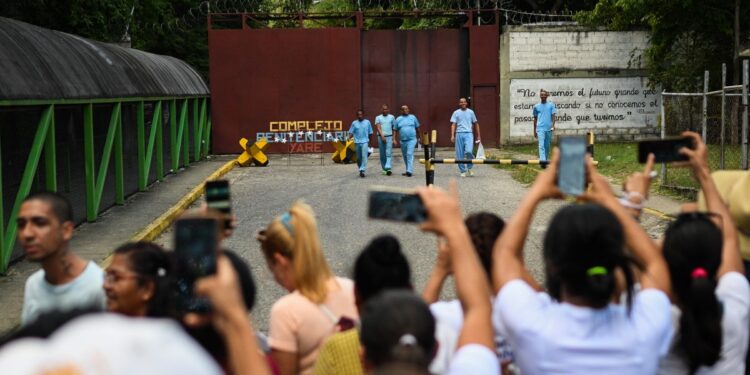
(428, 143)
(429, 160)
(255, 154)
(344, 152)
(488, 161)
(484, 161)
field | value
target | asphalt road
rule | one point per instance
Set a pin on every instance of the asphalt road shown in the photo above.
(339, 197)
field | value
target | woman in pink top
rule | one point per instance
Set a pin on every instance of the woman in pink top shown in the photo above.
(318, 302)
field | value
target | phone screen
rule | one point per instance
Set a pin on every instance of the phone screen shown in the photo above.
(571, 174)
(664, 150)
(217, 196)
(195, 250)
(396, 205)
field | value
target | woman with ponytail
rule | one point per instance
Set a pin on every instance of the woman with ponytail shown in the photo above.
(379, 267)
(317, 302)
(575, 327)
(397, 327)
(711, 295)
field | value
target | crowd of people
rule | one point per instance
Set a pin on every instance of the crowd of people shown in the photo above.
(614, 299)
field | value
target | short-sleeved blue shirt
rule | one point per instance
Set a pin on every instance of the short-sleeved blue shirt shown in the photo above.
(407, 127)
(463, 119)
(543, 112)
(386, 123)
(361, 131)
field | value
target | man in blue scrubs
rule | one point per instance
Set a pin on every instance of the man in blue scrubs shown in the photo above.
(384, 126)
(544, 124)
(405, 130)
(361, 130)
(463, 121)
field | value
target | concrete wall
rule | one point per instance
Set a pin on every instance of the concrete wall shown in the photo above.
(595, 78)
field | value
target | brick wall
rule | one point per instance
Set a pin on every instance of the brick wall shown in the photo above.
(576, 50)
(596, 78)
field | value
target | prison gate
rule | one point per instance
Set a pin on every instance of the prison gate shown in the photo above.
(300, 87)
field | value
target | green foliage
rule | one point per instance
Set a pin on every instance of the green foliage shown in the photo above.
(96, 19)
(107, 20)
(687, 36)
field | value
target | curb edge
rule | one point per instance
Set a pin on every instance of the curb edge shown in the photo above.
(158, 225)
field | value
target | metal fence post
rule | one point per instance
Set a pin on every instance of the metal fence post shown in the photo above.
(140, 127)
(119, 165)
(206, 130)
(705, 106)
(663, 172)
(196, 130)
(174, 145)
(159, 140)
(722, 150)
(35, 153)
(50, 155)
(185, 131)
(89, 163)
(745, 81)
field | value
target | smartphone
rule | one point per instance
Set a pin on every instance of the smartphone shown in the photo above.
(664, 150)
(217, 197)
(195, 242)
(571, 173)
(394, 204)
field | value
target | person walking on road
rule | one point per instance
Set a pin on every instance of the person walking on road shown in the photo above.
(406, 132)
(384, 126)
(463, 121)
(544, 124)
(361, 130)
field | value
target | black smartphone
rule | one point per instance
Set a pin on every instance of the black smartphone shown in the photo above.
(396, 204)
(571, 173)
(217, 197)
(664, 150)
(195, 242)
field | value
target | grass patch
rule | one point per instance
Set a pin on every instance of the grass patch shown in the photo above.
(619, 160)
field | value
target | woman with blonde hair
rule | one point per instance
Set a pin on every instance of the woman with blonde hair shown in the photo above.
(318, 303)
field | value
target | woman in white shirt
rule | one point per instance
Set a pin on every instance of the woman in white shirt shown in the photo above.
(575, 328)
(397, 327)
(713, 316)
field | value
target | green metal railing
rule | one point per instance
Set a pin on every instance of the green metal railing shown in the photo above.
(95, 176)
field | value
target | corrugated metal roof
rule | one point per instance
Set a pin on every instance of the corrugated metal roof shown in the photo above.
(38, 63)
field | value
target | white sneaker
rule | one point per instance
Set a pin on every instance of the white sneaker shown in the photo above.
(463, 174)
(470, 173)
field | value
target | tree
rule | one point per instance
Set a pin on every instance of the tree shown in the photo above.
(687, 36)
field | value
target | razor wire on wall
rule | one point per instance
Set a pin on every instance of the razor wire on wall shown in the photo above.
(720, 117)
(510, 16)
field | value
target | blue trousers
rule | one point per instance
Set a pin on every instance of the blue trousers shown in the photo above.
(545, 143)
(464, 148)
(386, 152)
(361, 149)
(407, 150)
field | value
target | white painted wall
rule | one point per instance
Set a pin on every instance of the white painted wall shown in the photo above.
(585, 104)
(576, 50)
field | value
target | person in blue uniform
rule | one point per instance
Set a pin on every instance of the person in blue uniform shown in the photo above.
(384, 126)
(544, 124)
(463, 122)
(405, 132)
(361, 130)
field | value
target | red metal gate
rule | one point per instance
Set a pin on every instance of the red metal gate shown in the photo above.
(301, 87)
(426, 70)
